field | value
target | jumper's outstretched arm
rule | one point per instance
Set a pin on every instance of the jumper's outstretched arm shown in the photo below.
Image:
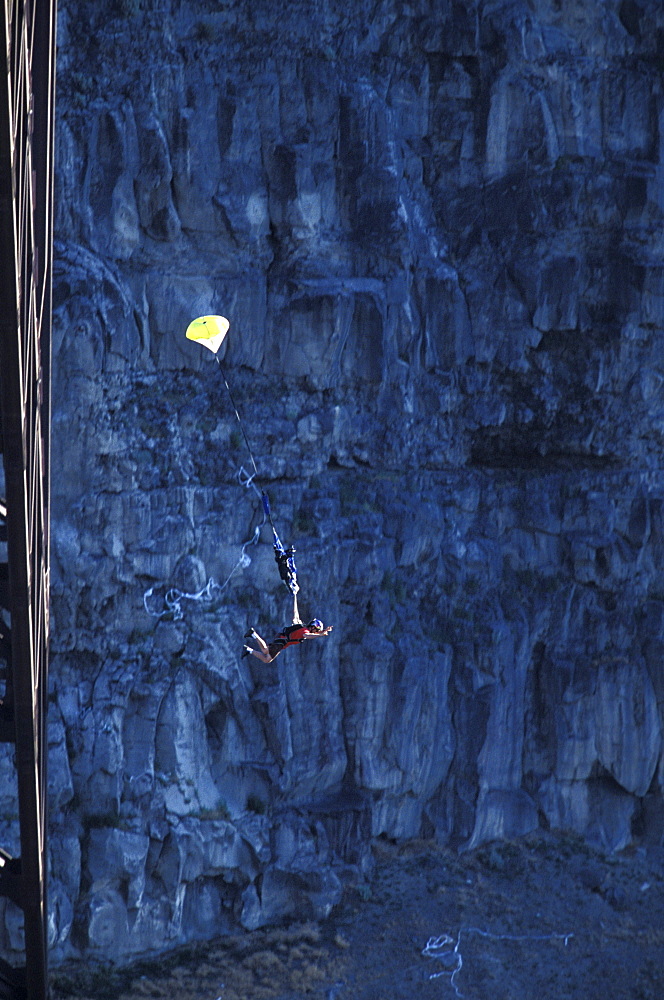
(316, 635)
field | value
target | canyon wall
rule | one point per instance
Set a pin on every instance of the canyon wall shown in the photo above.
(437, 232)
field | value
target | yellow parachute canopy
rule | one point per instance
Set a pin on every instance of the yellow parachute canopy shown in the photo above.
(208, 331)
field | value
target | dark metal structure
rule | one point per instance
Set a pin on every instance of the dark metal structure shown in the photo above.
(27, 118)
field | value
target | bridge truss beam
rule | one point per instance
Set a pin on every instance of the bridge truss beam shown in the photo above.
(27, 119)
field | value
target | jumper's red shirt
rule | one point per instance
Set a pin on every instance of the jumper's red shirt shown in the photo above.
(289, 636)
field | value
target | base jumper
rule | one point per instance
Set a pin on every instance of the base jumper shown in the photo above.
(291, 635)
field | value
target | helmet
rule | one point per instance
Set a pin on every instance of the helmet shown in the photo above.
(316, 623)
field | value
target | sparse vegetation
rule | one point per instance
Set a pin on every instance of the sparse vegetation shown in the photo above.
(304, 523)
(220, 811)
(395, 587)
(129, 8)
(103, 821)
(256, 804)
(204, 32)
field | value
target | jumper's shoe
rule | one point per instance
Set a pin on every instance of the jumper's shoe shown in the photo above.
(245, 651)
(250, 634)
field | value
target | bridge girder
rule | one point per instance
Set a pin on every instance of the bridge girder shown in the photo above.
(27, 118)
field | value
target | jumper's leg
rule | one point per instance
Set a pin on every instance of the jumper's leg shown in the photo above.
(262, 645)
(260, 655)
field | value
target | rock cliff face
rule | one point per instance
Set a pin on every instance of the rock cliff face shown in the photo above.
(437, 232)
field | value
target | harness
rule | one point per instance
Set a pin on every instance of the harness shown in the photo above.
(291, 636)
(284, 557)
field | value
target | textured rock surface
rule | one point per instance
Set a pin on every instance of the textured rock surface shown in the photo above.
(543, 916)
(438, 237)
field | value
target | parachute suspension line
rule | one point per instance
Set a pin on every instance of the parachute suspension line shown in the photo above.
(239, 420)
(284, 558)
(246, 479)
(172, 599)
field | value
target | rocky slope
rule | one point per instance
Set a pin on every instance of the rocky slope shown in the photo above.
(546, 916)
(437, 233)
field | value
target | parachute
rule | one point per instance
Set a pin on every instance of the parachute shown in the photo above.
(209, 331)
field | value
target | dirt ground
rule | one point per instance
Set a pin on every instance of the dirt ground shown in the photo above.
(545, 918)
